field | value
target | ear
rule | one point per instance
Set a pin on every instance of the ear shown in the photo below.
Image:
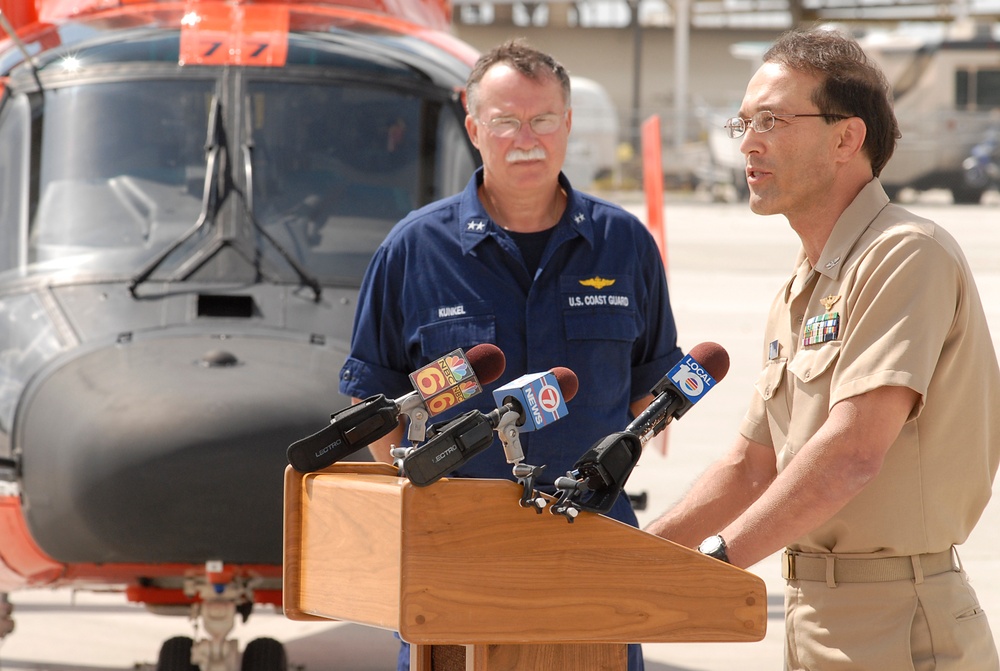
(472, 128)
(852, 138)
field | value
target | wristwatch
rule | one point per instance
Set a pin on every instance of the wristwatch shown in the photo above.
(714, 546)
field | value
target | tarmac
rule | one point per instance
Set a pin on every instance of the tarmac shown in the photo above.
(724, 266)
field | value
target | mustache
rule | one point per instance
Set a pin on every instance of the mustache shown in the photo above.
(518, 155)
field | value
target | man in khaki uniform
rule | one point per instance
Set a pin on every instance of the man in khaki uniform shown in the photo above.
(870, 445)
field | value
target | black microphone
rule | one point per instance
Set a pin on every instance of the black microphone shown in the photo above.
(377, 416)
(452, 445)
(528, 403)
(598, 477)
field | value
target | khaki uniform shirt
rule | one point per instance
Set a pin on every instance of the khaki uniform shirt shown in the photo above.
(891, 302)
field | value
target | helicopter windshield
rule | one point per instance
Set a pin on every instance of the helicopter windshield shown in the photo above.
(324, 169)
(120, 171)
(334, 167)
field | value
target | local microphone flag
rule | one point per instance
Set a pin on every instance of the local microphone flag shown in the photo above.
(691, 378)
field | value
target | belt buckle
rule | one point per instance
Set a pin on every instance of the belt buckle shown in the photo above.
(789, 561)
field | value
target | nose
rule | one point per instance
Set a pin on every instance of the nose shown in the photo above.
(750, 142)
(525, 134)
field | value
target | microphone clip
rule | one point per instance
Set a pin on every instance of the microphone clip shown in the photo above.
(413, 407)
(598, 477)
(526, 477)
(510, 435)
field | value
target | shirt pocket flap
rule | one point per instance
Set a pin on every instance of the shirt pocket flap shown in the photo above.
(810, 363)
(444, 336)
(770, 378)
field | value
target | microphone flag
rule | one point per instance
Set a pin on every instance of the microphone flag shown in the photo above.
(539, 397)
(691, 379)
(446, 382)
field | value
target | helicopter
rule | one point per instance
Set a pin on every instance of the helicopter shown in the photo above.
(190, 193)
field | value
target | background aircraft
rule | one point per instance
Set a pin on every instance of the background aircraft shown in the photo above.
(189, 195)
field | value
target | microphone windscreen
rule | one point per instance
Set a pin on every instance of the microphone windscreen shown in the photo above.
(713, 358)
(569, 383)
(487, 361)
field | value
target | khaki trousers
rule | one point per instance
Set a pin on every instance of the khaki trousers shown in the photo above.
(932, 624)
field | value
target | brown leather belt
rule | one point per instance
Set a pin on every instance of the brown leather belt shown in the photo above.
(833, 569)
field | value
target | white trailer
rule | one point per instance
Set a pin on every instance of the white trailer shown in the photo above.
(946, 95)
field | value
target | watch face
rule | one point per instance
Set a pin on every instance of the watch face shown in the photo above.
(711, 545)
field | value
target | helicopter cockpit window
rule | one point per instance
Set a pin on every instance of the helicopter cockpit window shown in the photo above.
(128, 185)
(331, 166)
(334, 167)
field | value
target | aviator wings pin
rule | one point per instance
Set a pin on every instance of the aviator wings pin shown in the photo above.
(597, 282)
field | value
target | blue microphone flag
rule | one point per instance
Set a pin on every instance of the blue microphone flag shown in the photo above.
(539, 396)
(691, 379)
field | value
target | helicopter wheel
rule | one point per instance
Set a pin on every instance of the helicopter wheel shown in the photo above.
(175, 655)
(264, 654)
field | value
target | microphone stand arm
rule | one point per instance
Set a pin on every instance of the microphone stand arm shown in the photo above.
(510, 437)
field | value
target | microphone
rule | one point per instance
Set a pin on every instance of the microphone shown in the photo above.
(683, 386)
(528, 403)
(445, 382)
(452, 445)
(598, 477)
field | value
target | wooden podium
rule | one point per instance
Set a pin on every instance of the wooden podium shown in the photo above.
(460, 563)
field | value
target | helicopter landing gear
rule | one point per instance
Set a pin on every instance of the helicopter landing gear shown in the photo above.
(220, 596)
(261, 654)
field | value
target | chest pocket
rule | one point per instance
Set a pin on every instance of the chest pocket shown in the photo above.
(601, 323)
(441, 337)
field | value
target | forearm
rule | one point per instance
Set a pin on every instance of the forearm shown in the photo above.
(717, 498)
(832, 468)
(807, 494)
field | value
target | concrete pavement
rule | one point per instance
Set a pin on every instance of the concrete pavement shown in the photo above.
(725, 264)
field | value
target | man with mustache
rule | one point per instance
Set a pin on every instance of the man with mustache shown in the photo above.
(872, 438)
(551, 275)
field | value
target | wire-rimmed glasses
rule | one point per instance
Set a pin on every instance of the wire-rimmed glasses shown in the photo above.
(508, 126)
(763, 121)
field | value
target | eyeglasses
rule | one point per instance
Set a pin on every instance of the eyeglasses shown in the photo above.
(763, 121)
(508, 126)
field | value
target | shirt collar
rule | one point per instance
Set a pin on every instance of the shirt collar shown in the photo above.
(849, 227)
(476, 225)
